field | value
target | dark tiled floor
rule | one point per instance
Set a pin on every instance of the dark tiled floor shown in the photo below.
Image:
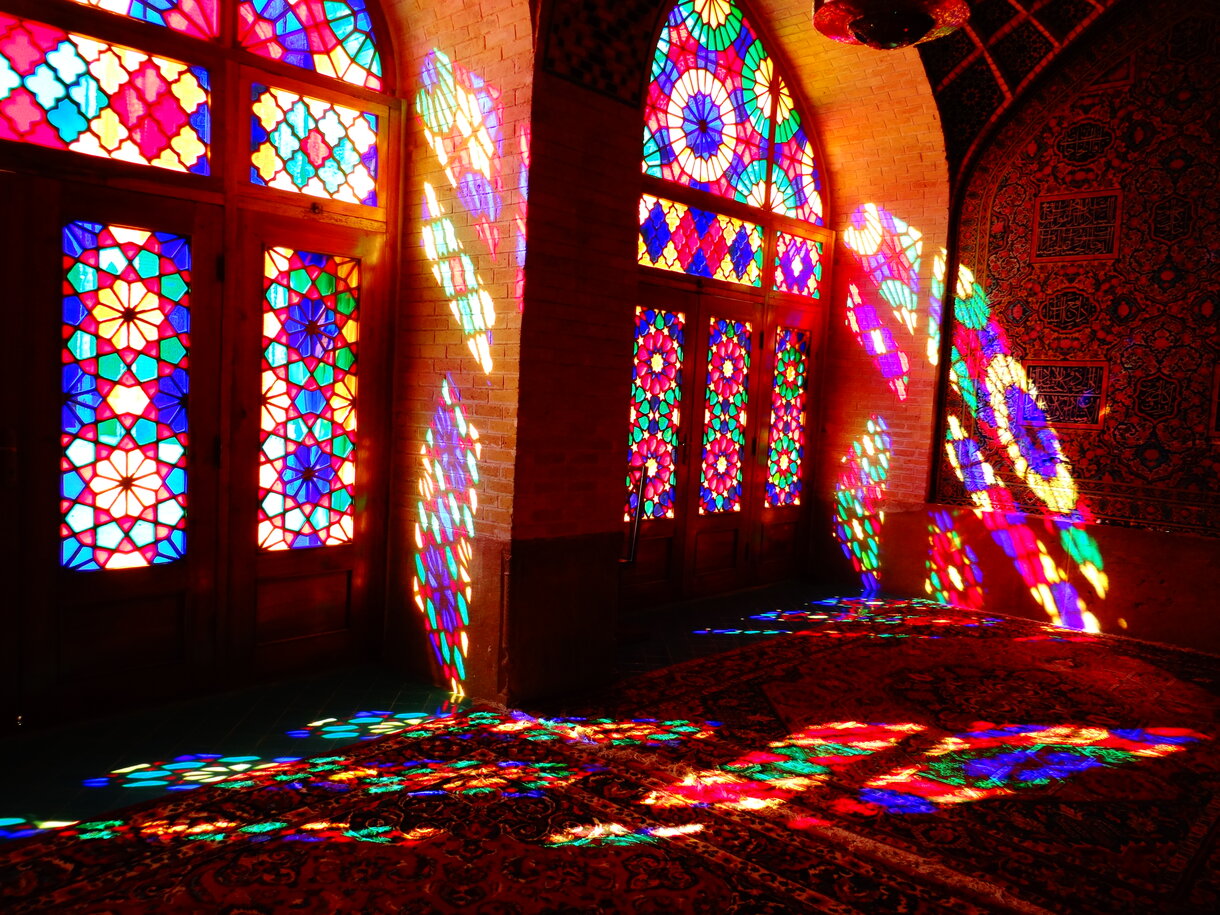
(45, 772)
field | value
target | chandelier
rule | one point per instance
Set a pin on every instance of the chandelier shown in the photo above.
(888, 24)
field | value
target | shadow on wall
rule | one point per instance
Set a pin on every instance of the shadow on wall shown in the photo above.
(884, 303)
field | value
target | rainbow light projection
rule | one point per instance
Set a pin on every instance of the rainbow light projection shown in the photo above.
(455, 273)
(197, 18)
(998, 761)
(859, 493)
(609, 834)
(330, 37)
(656, 394)
(163, 831)
(724, 416)
(307, 468)
(523, 193)
(462, 117)
(67, 91)
(464, 125)
(187, 772)
(684, 239)
(786, 440)
(953, 573)
(310, 146)
(444, 533)
(124, 431)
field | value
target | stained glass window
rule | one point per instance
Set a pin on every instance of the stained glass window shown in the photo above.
(444, 533)
(798, 265)
(796, 184)
(708, 115)
(724, 418)
(656, 392)
(331, 37)
(67, 91)
(676, 237)
(198, 18)
(304, 144)
(786, 445)
(307, 468)
(126, 325)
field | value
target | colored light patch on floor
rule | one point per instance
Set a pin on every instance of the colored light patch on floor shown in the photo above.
(643, 732)
(184, 773)
(167, 831)
(603, 834)
(68, 91)
(365, 725)
(999, 761)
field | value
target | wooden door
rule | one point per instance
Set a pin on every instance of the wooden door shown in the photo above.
(305, 511)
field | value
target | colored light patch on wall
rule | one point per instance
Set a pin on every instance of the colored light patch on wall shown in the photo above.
(707, 117)
(992, 762)
(878, 341)
(124, 429)
(444, 533)
(307, 465)
(724, 416)
(310, 146)
(67, 91)
(455, 273)
(197, 18)
(656, 395)
(953, 572)
(330, 37)
(463, 120)
(786, 441)
(683, 239)
(859, 492)
(796, 183)
(798, 265)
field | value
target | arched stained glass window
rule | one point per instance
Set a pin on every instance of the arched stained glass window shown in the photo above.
(332, 38)
(719, 118)
(197, 18)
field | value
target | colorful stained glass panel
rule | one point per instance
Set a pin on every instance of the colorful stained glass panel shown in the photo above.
(656, 394)
(331, 37)
(304, 144)
(197, 18)
(676, 237)
(796, 182)
(724, 417)
(444, 533)
(798, 265)
(307, 468)
(126, 325)
(66, 91)
(786, 443)
(708, 114)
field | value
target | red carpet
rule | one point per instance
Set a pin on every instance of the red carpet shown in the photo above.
(863, 766)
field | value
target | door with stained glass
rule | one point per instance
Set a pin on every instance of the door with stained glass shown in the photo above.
(118, 456)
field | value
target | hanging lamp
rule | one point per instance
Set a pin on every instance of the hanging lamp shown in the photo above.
(888, 24)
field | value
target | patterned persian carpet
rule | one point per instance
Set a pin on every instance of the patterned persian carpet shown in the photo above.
(879, 757)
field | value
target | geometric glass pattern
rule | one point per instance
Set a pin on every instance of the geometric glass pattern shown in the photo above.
(67, 91)
(707, 118)
(444, 533)
(724, 420)
(786, 447)
(331, 37)
(676, 237)
(197, 18)
(304, 144)
(307, 467)
(126, 322)
(656, 392)
(798, 264)
(796, 186)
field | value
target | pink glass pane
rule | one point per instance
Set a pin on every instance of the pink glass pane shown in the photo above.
(656, 395)
(786, 443)
(330, 37)
(724, 418)
(197, 18)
